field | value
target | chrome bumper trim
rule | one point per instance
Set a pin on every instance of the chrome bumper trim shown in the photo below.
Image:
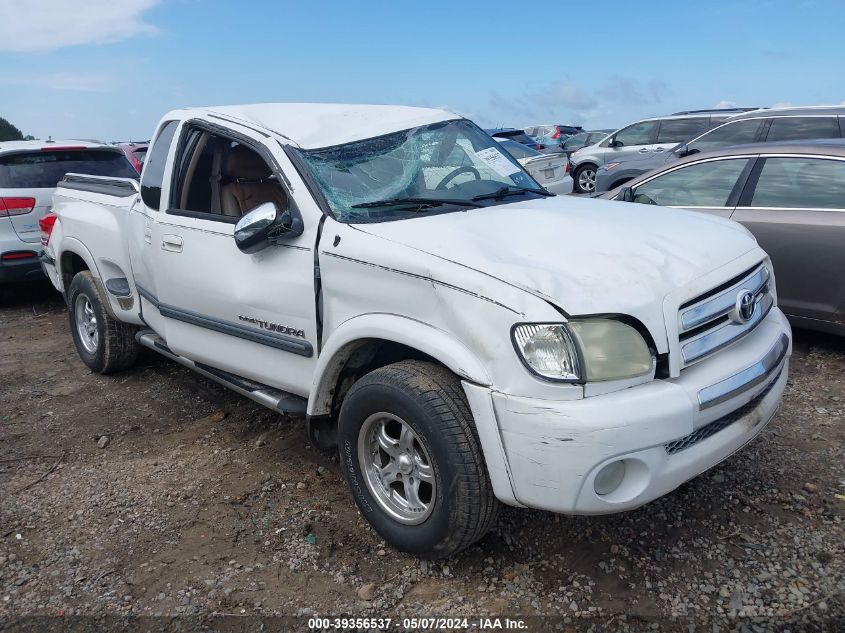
(745, 379)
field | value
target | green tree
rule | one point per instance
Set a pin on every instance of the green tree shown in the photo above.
(9, 132)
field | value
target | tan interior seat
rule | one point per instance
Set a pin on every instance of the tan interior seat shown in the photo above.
(250, 185)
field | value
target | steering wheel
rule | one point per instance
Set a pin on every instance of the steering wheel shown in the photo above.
(457, 172)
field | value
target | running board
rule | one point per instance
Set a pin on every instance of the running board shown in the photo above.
(270, 397)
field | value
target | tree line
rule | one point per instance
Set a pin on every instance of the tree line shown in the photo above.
(9, 132)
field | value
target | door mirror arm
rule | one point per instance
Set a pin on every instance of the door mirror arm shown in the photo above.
(266, 224)
(626, 194)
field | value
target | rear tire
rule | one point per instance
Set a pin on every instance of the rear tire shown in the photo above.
(584, 179)
(428, 492)
(103, 343)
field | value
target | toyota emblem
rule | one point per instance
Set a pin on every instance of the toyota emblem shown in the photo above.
(745, 306)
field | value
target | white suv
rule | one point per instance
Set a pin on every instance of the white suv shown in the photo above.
(29, 171)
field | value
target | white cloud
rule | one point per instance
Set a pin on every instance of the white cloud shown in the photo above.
(45, 25)
(726, 103)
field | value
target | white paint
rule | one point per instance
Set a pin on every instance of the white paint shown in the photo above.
(452, 285)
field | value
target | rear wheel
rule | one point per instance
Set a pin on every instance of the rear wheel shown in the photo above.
(584, 180)
(412, 459)
(103, 343)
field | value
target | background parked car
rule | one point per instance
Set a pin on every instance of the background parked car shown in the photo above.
(136, 153)
(552, 136)
(548, 170)
(515, 135)
(576, 142)
(29, 171)
(649, 136)
(785, 124)
(791, 196)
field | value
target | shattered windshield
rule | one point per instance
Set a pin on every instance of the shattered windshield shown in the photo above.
(445, 166)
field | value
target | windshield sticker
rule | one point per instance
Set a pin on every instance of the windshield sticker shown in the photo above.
(497, 161)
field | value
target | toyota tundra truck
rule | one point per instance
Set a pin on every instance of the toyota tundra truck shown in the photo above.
(458, 335)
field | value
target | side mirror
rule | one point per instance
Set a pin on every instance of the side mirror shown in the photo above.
(626, 194)
(614, 143)
(266, 225)
(684, 150)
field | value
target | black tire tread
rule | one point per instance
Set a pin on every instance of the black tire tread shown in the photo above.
(440, 392)
(120, 349)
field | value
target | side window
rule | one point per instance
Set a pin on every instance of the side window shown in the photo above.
(680, 130)
(579, 140)
(153, 175)
(218, 178)
(698, 185)
(802, 128)
(736, 133)
(637, 134)
(815, 183)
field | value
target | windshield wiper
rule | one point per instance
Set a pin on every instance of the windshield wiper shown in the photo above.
(510, 190)
(428, 202)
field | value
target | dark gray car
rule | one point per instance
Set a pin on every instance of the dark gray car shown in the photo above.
(791, 196)
(786, 124)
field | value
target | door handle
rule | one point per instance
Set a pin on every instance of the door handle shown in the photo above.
(171, 243)
(643, 150)
(658, 149)
(148, 235)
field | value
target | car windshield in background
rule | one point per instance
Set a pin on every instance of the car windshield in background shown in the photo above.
(433, 168)
(518, 150)
(44, 169)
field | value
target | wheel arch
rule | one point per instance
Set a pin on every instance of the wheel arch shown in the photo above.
(73, 259)
(366, 342)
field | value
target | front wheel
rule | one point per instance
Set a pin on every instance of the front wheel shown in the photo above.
(584, 180)
(103, 343)
(412, 459)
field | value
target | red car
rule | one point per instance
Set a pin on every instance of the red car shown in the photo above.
(136, 153)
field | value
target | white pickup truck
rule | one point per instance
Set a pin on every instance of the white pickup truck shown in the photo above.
(459, 335)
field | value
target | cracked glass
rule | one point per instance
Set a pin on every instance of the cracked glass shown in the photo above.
(449, 163)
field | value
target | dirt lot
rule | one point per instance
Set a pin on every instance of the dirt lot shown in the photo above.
(203, 503)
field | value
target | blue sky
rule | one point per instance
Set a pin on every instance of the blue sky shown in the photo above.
(108, 69)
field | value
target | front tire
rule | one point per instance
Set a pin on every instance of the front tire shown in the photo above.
(584, 180)
(412, 459)
(103, 343)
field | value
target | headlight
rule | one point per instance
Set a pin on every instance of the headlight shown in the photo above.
(583, 350)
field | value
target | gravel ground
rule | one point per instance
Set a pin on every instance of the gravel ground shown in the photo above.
(157, 493)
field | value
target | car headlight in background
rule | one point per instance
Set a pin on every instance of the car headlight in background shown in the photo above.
(583, 350)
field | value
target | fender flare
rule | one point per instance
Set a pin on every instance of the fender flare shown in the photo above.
(73, 245)
(350, 334)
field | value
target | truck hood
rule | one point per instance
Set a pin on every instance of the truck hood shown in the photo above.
(586, 256)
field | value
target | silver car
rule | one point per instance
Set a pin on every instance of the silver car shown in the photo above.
(29, 171)
(643, 139)
(783, 124)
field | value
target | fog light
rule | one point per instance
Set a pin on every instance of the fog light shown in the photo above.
(608, 478)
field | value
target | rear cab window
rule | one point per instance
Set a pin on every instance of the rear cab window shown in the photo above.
(43, 169)
(154, 162)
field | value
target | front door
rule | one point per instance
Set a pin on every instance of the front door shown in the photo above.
(251, 315)
(636, 140)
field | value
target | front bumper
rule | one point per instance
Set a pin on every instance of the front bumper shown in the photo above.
(665, 431)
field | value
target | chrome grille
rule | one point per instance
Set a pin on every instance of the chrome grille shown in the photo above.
(722, 423)
(712, 321)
